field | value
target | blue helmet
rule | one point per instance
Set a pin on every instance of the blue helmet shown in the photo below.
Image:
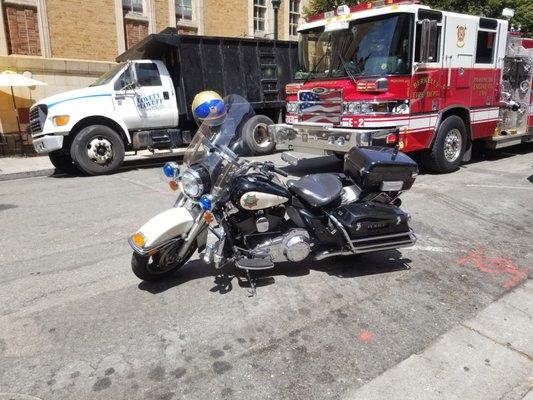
(208, 107)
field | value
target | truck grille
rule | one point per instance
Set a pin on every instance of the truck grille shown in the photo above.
(320, 105)
(37, 117)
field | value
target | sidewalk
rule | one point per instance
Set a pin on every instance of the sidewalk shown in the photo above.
(24, 167)
(487, 357)
(27, 167)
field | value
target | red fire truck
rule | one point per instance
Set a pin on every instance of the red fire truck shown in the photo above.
(398, 72)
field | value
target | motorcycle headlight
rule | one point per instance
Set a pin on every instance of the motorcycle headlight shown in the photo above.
(195, 182)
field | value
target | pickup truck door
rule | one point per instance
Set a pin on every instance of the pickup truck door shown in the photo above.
(156, 101)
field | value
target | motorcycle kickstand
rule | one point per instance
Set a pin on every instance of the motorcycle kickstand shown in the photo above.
(252, 291)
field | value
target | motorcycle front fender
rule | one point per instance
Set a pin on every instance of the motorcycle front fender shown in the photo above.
(164, 227)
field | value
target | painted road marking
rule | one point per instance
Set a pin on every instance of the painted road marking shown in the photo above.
(501, 187)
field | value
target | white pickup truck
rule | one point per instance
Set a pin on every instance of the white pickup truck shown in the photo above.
(145, 103)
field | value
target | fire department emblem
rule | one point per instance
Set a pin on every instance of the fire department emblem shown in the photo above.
(250, 201)
(461, 33)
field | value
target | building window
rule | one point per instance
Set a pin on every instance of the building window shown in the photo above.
(485, 47)
(260, 11)
(133, 7)
(294, 16)
(135, 21)
(22, 25)
(183, 10)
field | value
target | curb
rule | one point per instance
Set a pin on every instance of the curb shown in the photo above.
(27, 174)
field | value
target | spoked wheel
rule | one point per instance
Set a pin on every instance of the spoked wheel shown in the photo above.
(162, 264)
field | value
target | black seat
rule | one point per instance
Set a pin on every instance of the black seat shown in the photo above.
(317, 190)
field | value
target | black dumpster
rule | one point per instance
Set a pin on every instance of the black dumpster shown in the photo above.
(257, 69)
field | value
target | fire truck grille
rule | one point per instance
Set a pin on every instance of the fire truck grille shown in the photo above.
(37, 117)
(320, 105)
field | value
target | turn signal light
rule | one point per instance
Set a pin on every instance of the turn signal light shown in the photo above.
(292, 88)
(139, 239)
(208, 217)
(391, 138)
(173, 185)
(61, 120)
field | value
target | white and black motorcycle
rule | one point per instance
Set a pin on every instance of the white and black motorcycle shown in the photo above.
(259, 220)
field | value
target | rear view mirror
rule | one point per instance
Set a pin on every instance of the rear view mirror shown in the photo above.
(428, 37)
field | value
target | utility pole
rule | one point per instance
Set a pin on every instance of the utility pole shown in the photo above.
(275, 6)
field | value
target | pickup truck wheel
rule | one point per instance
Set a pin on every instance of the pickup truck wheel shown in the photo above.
(97, 150)
(448, 148)
(63, 162)
(255, 135)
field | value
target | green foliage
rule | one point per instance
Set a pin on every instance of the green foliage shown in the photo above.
(488, 8)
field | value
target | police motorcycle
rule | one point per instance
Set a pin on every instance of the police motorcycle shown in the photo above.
(256, 218)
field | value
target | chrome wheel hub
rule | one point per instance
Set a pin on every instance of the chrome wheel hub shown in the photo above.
(169, 258)
(100, 150)
(453, 143)
(261, 136)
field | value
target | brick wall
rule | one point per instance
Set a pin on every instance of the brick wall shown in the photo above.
(82, 29)
(135, 31)
(22, 30)
(226, 18)
(161, 15)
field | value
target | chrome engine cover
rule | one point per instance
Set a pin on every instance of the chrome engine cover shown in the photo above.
(293, 246)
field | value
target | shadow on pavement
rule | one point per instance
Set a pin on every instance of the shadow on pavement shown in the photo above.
(128, 165)
(342, 267)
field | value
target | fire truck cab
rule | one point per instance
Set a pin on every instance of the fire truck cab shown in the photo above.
(401, 73)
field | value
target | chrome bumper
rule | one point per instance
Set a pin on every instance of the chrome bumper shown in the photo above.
(48, 143)
(316, 138)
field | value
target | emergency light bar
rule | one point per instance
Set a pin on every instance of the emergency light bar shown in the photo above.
(345, 10)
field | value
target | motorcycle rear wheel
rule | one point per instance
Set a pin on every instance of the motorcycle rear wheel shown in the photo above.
(160, 265)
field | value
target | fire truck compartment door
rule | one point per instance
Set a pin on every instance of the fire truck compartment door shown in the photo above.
(464, 71)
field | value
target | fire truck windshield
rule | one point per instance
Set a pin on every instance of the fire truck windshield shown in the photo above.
(369, 47)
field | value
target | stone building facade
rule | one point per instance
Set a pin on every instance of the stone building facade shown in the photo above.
(68, 43)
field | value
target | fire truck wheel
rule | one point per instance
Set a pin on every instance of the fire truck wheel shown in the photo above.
(448, 148)
(255, 135)
(97, 150)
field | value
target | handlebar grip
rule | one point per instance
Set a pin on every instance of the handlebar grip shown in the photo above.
(281, 172)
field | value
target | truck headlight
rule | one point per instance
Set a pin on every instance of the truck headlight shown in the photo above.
(195, 182)
(352, 108)
(60, 120)
(292, 107)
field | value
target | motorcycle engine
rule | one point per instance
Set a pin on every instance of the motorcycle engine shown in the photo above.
(294, 245)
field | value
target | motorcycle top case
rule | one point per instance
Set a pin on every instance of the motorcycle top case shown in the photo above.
(370, 166)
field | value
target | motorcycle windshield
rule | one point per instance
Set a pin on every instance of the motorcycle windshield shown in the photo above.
(217, 141)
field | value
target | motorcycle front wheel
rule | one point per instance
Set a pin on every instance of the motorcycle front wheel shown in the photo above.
(162, 264)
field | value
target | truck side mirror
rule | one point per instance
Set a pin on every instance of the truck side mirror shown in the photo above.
(428, 36)
(133, 74)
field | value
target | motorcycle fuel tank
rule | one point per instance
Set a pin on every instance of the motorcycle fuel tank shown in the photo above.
(256, 192)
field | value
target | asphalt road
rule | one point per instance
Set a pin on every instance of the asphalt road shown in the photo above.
(75, 323)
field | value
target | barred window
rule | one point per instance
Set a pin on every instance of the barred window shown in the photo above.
(183, 10)
(132, 6)
(260, 10)
(294, 16)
